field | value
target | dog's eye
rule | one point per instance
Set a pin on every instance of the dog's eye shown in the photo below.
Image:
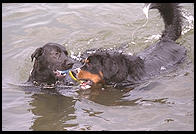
(87, 61)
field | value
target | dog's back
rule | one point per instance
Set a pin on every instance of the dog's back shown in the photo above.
(162, 57)
(166, 53)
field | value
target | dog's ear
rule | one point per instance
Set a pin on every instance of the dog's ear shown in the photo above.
(110, 68)
(38, 52)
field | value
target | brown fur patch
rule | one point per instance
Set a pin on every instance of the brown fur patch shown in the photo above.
(96, 78)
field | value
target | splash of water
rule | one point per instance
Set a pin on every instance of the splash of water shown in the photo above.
(145, 11)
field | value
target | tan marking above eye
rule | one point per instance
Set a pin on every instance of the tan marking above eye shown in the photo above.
(86, 61)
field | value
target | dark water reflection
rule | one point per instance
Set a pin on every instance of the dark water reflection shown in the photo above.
(52, 111)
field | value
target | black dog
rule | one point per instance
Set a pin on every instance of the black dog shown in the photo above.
(48, 59)
(126, 70)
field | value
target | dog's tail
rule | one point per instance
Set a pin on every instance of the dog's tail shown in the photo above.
(172, 18)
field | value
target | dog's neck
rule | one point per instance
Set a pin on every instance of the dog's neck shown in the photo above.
(136, 69)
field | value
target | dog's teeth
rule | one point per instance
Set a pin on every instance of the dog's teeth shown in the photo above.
(78, 70)
(85, 86)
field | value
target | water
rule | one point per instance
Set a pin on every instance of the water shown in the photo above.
(165, 103)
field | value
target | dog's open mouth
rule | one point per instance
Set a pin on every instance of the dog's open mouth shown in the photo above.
(59, 73)
(84, 83)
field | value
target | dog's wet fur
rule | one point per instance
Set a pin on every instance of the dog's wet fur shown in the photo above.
(48, 59)
(112, 67)
(124, 70)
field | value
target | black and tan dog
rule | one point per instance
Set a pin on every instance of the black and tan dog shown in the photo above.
(125, 70)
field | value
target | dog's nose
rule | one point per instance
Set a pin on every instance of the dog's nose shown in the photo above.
(70, 64)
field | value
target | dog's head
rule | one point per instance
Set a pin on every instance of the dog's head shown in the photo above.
(49, 58)
(103, 68)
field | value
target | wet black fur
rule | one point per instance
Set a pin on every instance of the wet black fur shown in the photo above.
(124, 70)
(49, 58)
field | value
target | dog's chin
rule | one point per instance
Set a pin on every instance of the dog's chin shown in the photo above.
(88, 84)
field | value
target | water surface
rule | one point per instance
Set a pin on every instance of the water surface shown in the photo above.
(165, 103)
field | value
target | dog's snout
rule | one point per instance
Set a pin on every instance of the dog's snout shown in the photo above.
(70, 64)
